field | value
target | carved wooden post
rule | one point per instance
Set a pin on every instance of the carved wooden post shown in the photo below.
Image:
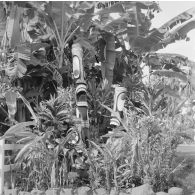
(119, 102)
(81, 88)
(11, 102)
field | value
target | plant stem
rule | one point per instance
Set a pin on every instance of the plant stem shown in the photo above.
(62, 22)
(137, 22)
(70, 36)
(69, 27)
(61, 42)
(108, 177)
(61, 57)
(115, 178)
(57, 32)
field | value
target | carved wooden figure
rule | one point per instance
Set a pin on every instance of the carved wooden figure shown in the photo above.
(81, 88)
(119, 102)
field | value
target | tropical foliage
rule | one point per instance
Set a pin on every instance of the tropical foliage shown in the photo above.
(115, 45)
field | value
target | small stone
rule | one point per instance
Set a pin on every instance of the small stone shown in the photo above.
(100, 191)
(113, 192)
(37, 192)
(66, 191)
(53, 191)
(175, 191)
(123, 193)
(83, 191)
(145, 189)
(24, 193)
(162, 193)
(11, 192)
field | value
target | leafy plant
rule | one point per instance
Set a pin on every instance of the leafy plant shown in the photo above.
(36, 58)
(45, 154)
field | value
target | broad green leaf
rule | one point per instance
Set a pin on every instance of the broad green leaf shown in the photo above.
(17, 68)
(174, 62)
(179, 106)
(20, 127)
(171, 92)
(170, 74)
(177, 34)
(13, 27)
(116, 8)
(145, 44)
(159, 38)
(2, 20)
(29, 107)
(186, 15)
(27, 146)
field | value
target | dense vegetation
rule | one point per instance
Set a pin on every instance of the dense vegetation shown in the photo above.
(84, 89)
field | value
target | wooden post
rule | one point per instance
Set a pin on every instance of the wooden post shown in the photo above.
(2, 156)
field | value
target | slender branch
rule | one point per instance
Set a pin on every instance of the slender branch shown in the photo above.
(69, 27)
(56, 38)
(62, 24)
(60, 45)
(70, 36)
(58, 34)
(137, 22)
(115, 177)
(108, 177)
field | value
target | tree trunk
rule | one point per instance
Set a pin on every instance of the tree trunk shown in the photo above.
(109, 63)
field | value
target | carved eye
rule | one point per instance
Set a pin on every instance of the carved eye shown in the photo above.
(122, 96)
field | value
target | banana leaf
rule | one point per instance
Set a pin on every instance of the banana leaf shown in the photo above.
(13, 27)
(183, 17)
(129, 13)
(116, 8)
(177, 34)
(2, 20)
(167, 61)
(175, 29)
(16, 69)
(171, 74)
(20, 127)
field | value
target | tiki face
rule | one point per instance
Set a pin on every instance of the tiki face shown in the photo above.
(81, 98)
(120, 98)
(119, 102)
(81, 89)
(76, 67)
(78, 71)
